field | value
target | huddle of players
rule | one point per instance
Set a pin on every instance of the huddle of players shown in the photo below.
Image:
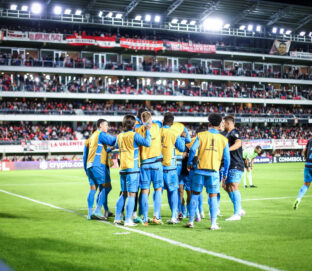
(147, 153)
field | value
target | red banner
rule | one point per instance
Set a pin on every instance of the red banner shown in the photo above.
(190, 47)
(83, 40)
(45, 37)
(302, 142)
(16, 35)
(146, 45)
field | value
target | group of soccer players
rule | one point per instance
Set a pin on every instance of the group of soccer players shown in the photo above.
(163, 153)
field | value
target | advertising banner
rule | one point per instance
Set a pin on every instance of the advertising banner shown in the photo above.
(305, 55)
(266, 119)
(303, 142)
(264, 143)
(284, 143)
(45, 37)
(288, 159)
(16, 35)
(146, 45)
(190, 47)
(83, 40)
(262, 160)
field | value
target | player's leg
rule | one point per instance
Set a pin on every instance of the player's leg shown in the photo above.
(121, 200)
(172, 184)
(158, 183)
(249, 177)
(212, 185)
(100, 176)
(181, 199)
(305, 187)
(145, 182)
(91, 194)
(197, 187)
(132, 182)
(201, 205)
(245, 174)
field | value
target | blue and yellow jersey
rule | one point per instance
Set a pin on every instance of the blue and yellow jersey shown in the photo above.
(95, 150)
(211, 147)
(308, 162)
(128, 144)
(178, 128)
(152, 153)
(169, 141)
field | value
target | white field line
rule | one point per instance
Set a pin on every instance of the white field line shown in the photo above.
(41, 184)
(154, 236)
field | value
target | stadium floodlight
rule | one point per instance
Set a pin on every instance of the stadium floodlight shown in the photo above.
(227, 26)
(138, 18)
(193, 22)
(13, 7)
(174, 21)
(109, 14)
(282, 31)
(78, 12)
(213, 24)
(258, 28)
(274, 30)
(36, 8)
(57, 10)
(148, 18)
(118, 16)
(250, 27)
(183, 22)
(242, 27)
(288, 32)
(24, 8)
(67, 11)
(100, 13)
(157, 19)
(302, 33)
(310, 34)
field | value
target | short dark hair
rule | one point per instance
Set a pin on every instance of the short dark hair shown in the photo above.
(258, 147)
(201, 128)
(140, 111)
(168, 118)
(229, 118)
(215, 119)
(128, 122)
(99, 122)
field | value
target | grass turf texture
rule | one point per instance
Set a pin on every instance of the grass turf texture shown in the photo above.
(37, 237)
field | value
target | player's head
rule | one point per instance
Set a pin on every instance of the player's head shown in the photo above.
(258, 149)
(128, 123)
(229, 123)
(215, 120)
(201, 128)
(102, 125)
(168, 119)
(140, 111)
(146, 117)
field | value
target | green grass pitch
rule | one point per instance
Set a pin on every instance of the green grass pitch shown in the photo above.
(37, 237)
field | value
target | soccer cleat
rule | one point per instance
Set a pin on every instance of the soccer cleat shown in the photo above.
(234, 218)
(134, 215)
(246, 186)
(296, 204)
(180, 216)
(215, 227)
(190, 225)
(145, 224)
(138, 220)
(197, 219)
(98, 216)
(157, 221)
(202, 215)
(118, 222)
(173, 221)
(89, 217)
(242, 212)
(108, 213)
(130, 224)
(253, 186)
(219, 213)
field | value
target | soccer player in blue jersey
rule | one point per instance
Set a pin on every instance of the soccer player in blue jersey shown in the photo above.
(96, 167)
(171, 140)
(231, 184)
(307, 153)
(151, 168)
(128, 143)
(211, 147)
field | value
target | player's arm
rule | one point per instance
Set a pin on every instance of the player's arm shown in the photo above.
(140, 140)
(187, 136)
(226, 160)
(180, 143)
(85, 157)
(192, 153)
(237, 144)
(158, 123)
(304, 152)
(252, 162)
(107, 139)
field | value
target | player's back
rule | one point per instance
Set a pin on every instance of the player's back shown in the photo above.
(168, 139)
(237, 161)
(308, 157)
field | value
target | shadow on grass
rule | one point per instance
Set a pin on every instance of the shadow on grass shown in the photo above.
(7, 215)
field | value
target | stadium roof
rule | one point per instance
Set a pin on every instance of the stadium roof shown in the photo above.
(294, 15)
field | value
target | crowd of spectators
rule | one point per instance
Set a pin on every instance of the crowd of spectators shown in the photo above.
(74, 107)
(130, 86)
(36, 158)
(15, 133)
